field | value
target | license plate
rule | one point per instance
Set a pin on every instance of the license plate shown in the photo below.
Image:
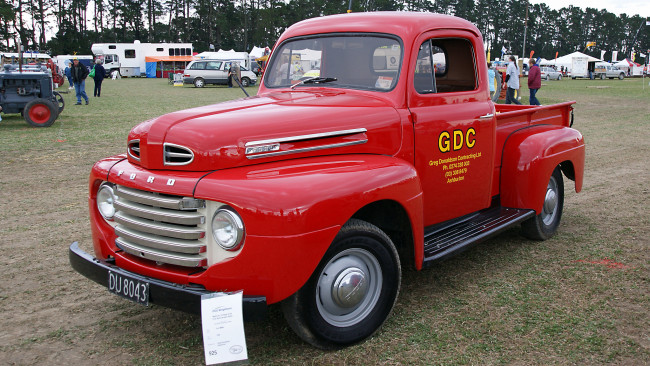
(128, 288)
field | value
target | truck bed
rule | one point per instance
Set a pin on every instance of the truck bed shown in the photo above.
(512, 117)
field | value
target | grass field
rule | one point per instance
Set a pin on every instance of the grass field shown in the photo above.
(580, 298)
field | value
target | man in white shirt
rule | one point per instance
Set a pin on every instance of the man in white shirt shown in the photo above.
(512, 80)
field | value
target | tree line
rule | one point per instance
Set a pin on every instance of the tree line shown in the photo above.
(72, 26)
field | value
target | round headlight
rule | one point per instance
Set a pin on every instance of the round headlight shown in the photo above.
(227, 229)
(105, 201)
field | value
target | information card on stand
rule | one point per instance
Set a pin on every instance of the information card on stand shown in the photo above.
(223, 328)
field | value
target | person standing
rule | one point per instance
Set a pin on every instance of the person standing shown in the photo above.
(512, 81)
(491, 77)
(69, 75)
(534, 81)
(100, 74)
(79, 73)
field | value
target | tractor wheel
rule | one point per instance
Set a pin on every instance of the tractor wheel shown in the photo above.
(40, 113)
(57, 99)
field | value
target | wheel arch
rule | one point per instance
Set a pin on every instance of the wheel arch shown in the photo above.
(529, 158)
(393, 219)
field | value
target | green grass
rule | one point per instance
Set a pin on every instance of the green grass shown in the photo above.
(507, 301)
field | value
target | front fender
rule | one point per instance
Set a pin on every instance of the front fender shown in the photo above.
(293, 209)
(530, 155)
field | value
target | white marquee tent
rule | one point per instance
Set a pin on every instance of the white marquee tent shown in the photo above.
(567, 60)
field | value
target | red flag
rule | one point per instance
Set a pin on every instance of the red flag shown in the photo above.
(531, 54)
(556, 55)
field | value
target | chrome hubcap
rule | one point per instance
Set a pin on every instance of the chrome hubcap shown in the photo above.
(349, 287)
(550, 202)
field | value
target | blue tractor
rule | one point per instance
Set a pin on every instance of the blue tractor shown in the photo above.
(28, 89)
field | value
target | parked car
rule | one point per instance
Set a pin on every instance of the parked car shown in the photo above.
(609, 71)
(202, 72)
(549, 73)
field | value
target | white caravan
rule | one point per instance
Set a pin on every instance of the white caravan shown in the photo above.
(129, 58)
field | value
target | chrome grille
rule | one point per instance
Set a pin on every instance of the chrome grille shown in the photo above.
(133, 148)
(177, 155)
(162, 228)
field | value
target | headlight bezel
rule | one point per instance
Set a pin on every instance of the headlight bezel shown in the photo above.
(232, 218)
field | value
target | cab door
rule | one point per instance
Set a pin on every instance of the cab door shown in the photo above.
(454, 124)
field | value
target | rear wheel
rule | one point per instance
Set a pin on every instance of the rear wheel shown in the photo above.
(602, 76)
(548, 77)
(40, 113)
(199, 83)
(559, 77)
(544, 225)
(352, 291)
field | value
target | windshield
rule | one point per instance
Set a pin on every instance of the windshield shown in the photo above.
(359, 61)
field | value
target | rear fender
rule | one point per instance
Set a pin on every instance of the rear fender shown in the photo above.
(529, 157)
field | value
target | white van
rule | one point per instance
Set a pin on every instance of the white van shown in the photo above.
(202, 72)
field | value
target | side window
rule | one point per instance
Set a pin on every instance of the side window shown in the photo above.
(212, 65)
(129, 53)
(445, 65)
(198, 66)
(423, 81)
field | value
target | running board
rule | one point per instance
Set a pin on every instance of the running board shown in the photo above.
(443, 242)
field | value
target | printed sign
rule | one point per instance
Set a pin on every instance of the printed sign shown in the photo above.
(223, 328)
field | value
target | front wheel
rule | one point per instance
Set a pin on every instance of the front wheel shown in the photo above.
(245, 82)
(602, 76)
(621, 76)
(544, 225)
(352, 291)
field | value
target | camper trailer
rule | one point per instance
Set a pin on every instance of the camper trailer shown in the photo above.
(129, 58)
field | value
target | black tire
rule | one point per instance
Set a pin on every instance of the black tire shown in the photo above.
(602, 76)
(245, 82)
(360, 254)
(559, 77)
(621, 76)
(40, 113)
(548, 77)
(544, 225)
(57, 99)
(199, 83)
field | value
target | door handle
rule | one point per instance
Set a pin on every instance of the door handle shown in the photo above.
(489, 115)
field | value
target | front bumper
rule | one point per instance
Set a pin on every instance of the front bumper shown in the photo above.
(163, 293)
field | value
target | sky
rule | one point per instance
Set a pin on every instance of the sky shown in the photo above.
(629, 7)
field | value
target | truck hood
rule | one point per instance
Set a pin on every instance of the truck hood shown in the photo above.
(274, 126)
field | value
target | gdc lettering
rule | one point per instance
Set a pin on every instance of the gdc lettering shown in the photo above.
(457, 140)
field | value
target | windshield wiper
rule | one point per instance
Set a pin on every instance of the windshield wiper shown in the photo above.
(314, 80)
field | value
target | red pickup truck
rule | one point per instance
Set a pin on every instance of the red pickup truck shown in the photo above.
(372, 144)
